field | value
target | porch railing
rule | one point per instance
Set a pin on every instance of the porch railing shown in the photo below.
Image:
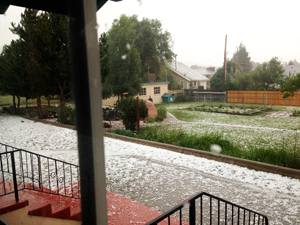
(36, 172)
(204, 208)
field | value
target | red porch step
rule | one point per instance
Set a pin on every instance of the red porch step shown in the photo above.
(121, 210)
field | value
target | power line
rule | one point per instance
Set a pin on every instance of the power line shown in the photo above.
(202, 64)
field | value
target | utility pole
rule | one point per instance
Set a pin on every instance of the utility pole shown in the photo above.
(138, 114)
(224, 75)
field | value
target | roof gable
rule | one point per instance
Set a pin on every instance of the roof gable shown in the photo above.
(291, 70)
(186, 72)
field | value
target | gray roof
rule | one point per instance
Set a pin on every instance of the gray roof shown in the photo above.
(291, 70)
(186, 72)
(166, 95)
(205, 71)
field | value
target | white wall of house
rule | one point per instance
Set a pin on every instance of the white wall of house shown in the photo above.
(155, 90)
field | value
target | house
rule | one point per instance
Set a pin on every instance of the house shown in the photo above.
(290, 70)
(187, 77)
(207, 72)
(154, 90)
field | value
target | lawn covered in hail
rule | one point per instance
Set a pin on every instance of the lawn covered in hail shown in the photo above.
(244, 131)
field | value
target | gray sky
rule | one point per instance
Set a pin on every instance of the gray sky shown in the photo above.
(267, 28)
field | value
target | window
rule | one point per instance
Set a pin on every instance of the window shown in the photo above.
(156, 90)
(151, 70)
(195, 83)
(143, 92)
(181, 82)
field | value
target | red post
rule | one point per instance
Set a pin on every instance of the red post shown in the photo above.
(138, 114)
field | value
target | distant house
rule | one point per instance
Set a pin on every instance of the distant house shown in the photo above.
(290, 70)
(154, 90)
(208, 73)
(187, 77)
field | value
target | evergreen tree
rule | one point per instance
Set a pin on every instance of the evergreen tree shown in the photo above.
(44, 42)
(241, 56)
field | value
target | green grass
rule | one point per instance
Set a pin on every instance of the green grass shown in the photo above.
(270, 140)
(278, 155)
(8, 100)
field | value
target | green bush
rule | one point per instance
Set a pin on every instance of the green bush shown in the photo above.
(128, 112)
(181, 97)
(66, 115)
(162, 113)
(150, 120)
(296, 112)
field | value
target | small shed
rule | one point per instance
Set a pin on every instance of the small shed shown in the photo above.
(168, 97)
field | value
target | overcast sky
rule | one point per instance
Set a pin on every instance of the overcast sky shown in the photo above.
(267, 28)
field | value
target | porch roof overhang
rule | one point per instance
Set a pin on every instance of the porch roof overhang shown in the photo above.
(55, 6)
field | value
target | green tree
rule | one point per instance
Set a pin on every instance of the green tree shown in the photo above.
(44, 38)
(128, 109)
(269, 75)
(124, 58)
(153, 44)
(132, 47)
(241, 56)
(291, 63)
(104, 66)
(13, 77)
(166, 75)
(290, 85)
(217, 81)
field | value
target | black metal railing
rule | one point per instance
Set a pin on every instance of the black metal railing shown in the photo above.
(204, 208)
(36, 172)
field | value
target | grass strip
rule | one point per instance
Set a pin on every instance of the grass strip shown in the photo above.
(286, 157)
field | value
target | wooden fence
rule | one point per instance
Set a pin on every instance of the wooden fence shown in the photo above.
(262, 97)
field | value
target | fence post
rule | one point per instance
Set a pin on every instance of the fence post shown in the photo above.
(192, 212)
(13, 165)
(40, 171)
(243, 98)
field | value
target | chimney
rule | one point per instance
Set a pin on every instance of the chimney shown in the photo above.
(176, 62)
(212, 68)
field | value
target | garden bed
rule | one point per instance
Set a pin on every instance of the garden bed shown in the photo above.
(229, 110)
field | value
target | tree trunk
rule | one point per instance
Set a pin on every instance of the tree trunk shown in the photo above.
(14, 101)
(39, 106)
(62, 98)
(49, 98)
(18, 101)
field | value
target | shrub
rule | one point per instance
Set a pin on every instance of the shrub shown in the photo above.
(296, 112)
(128, 112)
(181, 97)
(162, 113)
(150, 120)
(66, 115)
(201, 88)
